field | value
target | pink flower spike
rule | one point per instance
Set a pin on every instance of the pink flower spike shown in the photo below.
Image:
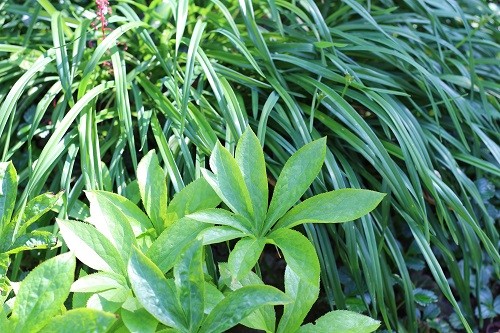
(103, 9)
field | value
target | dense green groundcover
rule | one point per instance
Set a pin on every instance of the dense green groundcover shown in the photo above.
(406, 93)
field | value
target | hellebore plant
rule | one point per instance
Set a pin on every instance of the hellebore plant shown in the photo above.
(152, 269)
(241, 183)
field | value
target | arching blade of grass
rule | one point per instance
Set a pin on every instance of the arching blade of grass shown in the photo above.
(44, 161)
(15, 93)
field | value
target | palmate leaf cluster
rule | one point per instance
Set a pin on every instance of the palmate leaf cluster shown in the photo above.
(405, 91)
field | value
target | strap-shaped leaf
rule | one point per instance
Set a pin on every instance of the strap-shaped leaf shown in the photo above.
(111, 221)
(250, 158)
(230, 183)
(153, 189)
(8, 192)
(295, 178)
(91, 247)
(190, 283)
(42, 293)
(244, 256)
(239, 304)
(332, 207)
(155, 292)
(80, 321)
(167, 247)
(342, 321)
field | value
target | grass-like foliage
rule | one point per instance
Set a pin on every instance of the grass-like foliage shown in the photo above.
(406, 93)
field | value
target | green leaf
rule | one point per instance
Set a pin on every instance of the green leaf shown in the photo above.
(167, 247)
(155, 292)
(153, 189)
(190, 283)
(198, 195)
(222, 217)
(8, 192)
(297, 174)
(91, 247)
(220, 234)
(109, 220)
(138, 221)
(239, 304)
(304, 294)
(229, 183)
(250, 159)
(99, 281)
(80, 321)
(341, 321)
(332, 207)
(324, 44)
(244, 256)
(43, 292)
(424, 297)
(299, 253)
(264, 318)
(109, 300)
(32, 241)
(212, 297)
(136, 318)
(36, 208)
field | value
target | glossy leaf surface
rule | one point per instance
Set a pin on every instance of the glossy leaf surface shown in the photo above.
(297, 175)
(332, 207)
(155, 292)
